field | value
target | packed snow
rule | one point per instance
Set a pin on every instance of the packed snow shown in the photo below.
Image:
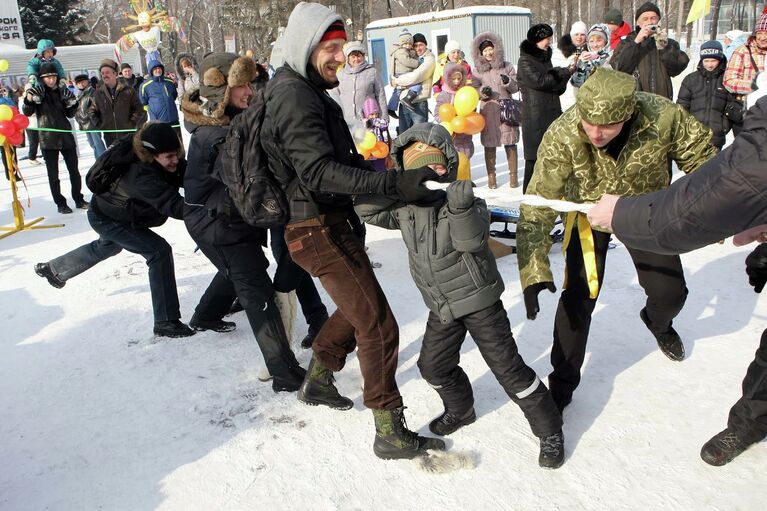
(97, 413)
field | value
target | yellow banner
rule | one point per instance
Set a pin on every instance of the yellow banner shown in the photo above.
(698, 9)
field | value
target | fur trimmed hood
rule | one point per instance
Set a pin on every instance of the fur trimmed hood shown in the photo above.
(192, 106)
(531, 49)
(185, 56)
(143, 153)
(450, 68)
(482, 65)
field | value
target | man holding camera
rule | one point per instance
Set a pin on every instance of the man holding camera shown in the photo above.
(649, 55)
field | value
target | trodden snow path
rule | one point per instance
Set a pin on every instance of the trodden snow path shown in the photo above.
(95, 413)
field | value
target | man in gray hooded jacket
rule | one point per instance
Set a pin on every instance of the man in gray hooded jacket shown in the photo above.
(313, 156)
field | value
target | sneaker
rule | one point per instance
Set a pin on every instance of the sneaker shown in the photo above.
(723, 447)
(44, 270)
(217, 325)
(83, 204)
(449, 423)
(35, 162)
(172, 328)
(65, 210)
(552, 454)
(669, 342)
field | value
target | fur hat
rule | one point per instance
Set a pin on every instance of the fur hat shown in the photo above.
(156, 138)
(405, 37)
(613, 17)
(578, 27)
(420, 154)
(111, 64)
(539, 32)
(647, 7)
(219, 72)
(711, 50)
(452, 46)
(354, 46)
(607, 97)
(48, 69)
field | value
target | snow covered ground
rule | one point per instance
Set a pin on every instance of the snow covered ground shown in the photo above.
(95, 413)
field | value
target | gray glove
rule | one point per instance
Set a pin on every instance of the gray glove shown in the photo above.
(460, 195)
(661, 39)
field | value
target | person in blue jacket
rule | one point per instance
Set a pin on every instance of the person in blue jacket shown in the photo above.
(46, 52)
(158, 94)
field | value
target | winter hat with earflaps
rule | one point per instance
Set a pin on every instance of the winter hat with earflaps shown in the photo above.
(420, 154)
(607, 97)
(219, 73)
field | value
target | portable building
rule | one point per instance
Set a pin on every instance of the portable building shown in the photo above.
(462, 25)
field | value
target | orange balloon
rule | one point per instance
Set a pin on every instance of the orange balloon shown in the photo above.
(446, 112)
(381, 150)
(365, 153)
(475, 123)
(459, 124)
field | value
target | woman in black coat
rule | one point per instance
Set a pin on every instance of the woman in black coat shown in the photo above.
(541, 84)
(53, 104)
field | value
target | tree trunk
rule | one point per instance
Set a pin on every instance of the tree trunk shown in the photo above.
(680, 19)
(558, 7)
(715, 18)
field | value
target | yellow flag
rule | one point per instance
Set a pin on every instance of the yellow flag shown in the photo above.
(698, 9)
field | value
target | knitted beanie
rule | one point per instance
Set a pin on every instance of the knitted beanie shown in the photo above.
(761, 24)
(452, 46)
(336, 30)
(419, 154)
(405, 37)
(711, 50)
(614, 17)
(354, 46)
(159, 137)
(419, 38)
(646, 7)
(539, 32)
(578, 27)
(485, 44)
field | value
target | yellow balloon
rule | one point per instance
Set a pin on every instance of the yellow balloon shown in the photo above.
(2, 139)
(369, 142)
(6, 114)
(465, 101)
(464, 167)
(3, 65)
(448, 126)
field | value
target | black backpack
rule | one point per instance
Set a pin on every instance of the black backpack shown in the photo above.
(255, 192)
(110, 166)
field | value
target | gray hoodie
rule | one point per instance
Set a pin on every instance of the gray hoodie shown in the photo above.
(306, 26)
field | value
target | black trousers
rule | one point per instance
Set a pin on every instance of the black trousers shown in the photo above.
(52, 166)
(242, 268)
(661, 277)
(491, 331)
(748, 418)
(34, 143)
(529, 167)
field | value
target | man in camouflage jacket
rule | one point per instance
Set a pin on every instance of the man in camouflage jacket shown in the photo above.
(614, 140)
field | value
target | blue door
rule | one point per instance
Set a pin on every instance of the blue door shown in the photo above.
(378, 58)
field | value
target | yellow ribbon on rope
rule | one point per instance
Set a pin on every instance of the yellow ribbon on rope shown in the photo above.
(586, 237)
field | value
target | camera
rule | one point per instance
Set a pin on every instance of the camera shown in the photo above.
(653, 28)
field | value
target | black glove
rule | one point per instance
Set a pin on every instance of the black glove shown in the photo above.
(460, 195)
(754, 86)
(486, 91)
(756, 267)
(408, 186)
(68, 97)
(505, 79)
(531, 297)
(37, 92)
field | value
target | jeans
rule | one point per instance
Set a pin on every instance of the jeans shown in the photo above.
(52, 166)
(96, 142)
(363, 318)
(661, 277)
(115, 236)
(491, 331)
(289, 276)
(407, 117)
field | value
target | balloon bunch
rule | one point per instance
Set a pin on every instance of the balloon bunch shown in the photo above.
(12, 125)
(370, 147)
(460, 117)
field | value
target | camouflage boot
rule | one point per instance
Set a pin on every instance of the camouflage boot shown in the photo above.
(318, 388)
(395, 442)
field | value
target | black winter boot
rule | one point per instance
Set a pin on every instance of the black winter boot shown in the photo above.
(290, 383)
(395, 442)
(318, 388)
(217, 325)
(44, 270)
(172, 328)
(669, 341)
(723, 447)
(314, 329)
(552, 453)
(449, 423)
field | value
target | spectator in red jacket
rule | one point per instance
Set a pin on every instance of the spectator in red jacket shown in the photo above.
(618, 28)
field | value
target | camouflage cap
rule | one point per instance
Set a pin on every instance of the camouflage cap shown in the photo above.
(607, 97)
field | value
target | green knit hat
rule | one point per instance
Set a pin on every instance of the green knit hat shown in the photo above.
(607, 97)
(419, 154)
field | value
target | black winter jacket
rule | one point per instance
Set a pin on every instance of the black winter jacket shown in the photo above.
(84, 102)
(541, 84)
(725, 196)
(305, 136)
(145, 196)
(52, 113)
(652, 67)
(703, 95)
(209, 214)
(124, 111)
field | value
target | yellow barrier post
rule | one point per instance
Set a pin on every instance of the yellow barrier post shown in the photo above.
(18, 210)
